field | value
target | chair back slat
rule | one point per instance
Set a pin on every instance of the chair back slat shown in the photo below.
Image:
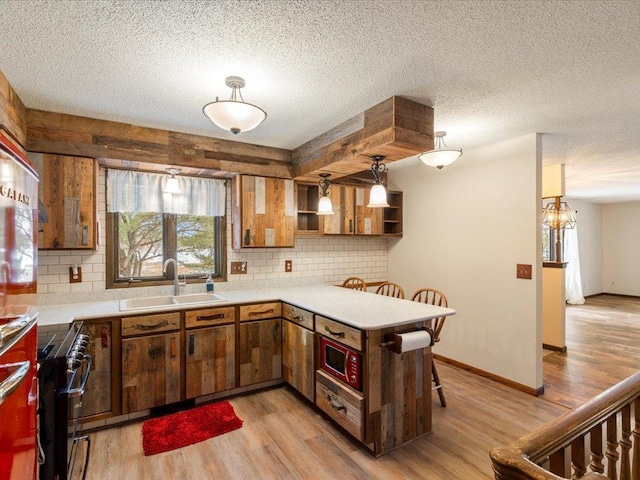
(432, 297)
(355, 283)
(390, 289)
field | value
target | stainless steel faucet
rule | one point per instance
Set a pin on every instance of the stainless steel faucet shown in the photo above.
(176, 282)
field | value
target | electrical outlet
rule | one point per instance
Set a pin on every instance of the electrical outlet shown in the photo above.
(75, 274)
(238, 268)
(523, 271)
(288, 266)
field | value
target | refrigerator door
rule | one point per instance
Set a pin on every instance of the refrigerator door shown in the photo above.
(18, 314)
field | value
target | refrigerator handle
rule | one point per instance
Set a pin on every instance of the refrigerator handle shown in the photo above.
(13, 381)
(15, 328)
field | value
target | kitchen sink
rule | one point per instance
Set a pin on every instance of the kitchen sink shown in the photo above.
(168, 300)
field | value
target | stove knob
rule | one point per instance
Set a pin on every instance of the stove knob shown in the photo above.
(73, 364)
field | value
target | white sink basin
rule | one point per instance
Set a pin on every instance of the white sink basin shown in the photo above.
(168, 300)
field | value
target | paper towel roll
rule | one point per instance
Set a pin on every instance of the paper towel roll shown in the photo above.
(414, 340)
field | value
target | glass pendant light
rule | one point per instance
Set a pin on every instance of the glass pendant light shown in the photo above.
(441, 156)
(234, 115)
(378, 194)
(324, 204)
(172, 186)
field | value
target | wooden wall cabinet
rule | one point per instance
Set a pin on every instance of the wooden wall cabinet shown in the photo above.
(210, 351)
(342, 222)
(151, 373)
(298, 350)
(392, 223)
(308, 222)
(68, 190)
(263, 212)
(368, 220)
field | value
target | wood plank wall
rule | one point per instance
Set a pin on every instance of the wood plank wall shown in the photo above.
(13, 113)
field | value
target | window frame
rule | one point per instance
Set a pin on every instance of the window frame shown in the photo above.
(169, 247)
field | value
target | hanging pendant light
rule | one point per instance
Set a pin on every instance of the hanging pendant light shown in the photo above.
(558, 215)
(324, 204)
(234, 115)
(441, 156)
(172, 185)
(378, 194)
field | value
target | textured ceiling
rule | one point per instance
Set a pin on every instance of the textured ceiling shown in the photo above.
(493, 70)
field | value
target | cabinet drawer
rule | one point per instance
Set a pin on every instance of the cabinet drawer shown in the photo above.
(162, 322)
(345, 407)
(209, 316)
(304, 318)
(339, 332)
(260, 310)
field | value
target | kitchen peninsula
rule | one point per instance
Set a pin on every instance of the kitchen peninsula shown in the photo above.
(252, 339)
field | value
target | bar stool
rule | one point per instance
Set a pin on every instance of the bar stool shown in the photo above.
(355, 283)
(437, 298)
(390, 289)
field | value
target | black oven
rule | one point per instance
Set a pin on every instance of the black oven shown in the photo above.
(63, 374)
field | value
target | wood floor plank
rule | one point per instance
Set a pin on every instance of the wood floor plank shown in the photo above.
(284, 438)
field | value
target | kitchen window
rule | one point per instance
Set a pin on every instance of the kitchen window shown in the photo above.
(146, 226)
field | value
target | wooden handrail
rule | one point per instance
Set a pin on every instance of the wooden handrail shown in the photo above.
(545, 453)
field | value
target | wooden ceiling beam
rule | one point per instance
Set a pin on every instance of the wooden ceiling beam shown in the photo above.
(396, 128)
(49, 132)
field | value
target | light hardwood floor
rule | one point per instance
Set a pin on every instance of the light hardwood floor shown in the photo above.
(284, 438)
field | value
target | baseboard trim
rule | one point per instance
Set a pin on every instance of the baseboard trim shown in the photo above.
(491, 376)
(554, 348)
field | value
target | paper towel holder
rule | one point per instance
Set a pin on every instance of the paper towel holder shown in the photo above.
(394, 341)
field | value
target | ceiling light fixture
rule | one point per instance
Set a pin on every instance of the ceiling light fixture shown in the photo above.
(172, 186)
(378, 194)
(558, 215)
(234, 115)
(324, 204)
(441, 155)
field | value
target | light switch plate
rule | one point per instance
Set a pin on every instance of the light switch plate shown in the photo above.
(238, 268)
(523, 271)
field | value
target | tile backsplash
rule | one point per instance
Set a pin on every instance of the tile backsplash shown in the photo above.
(324, 259)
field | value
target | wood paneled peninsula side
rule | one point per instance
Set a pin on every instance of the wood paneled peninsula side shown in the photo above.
(254, 339)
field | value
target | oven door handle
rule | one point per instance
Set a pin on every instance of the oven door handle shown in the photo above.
(79, 391)
(13, 381)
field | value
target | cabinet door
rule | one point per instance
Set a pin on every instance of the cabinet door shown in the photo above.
(368, 220)
(264, 212)
(211, 364)
(260, 351)
(150, 371)
(68, 192)
(98, 391)
(297, 358)
(343, 219)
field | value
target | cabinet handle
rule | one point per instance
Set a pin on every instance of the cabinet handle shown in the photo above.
(204, 318)
(174, 347)
(104, 335)
(335, 403)
(192, 344)
(275, 332)
(247, 237)
(350, 226)
(297, 318)
(263, 312)
(335, 334)
(139, 326)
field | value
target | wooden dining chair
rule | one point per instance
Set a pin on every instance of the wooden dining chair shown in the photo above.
(355, 283)
(390, 289)
(439, 299)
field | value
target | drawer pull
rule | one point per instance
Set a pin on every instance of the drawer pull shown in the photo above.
(204, 318)
(333, 401)
(192, 344)
(139, 326)
(335, 334)
(298, 318)
(263, 312)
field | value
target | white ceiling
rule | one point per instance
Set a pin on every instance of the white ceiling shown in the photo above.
(493, 70)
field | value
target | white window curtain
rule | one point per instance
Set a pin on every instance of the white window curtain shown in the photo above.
(136, 192)
(573, 279)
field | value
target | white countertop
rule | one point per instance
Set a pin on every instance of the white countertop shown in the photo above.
(366, 311)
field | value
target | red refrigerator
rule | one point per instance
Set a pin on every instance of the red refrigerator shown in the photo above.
(18, 314)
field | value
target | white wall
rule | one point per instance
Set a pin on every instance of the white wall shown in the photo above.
(315, 260)
(621, 254)
(589, 224)
(465, 229)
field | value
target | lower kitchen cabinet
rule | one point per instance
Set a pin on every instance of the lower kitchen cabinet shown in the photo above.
(260, 351)
(210, 360)
(98, 392)
(150, 371)
(297, 358)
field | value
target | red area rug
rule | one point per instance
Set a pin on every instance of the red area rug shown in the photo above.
(180, 429)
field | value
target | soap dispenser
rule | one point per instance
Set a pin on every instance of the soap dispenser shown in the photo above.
(209, 282)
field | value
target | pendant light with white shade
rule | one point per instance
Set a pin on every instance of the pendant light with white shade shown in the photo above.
(441, 155)
(324, 203)
(172, 185)
(378, 194)
(234, 115)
